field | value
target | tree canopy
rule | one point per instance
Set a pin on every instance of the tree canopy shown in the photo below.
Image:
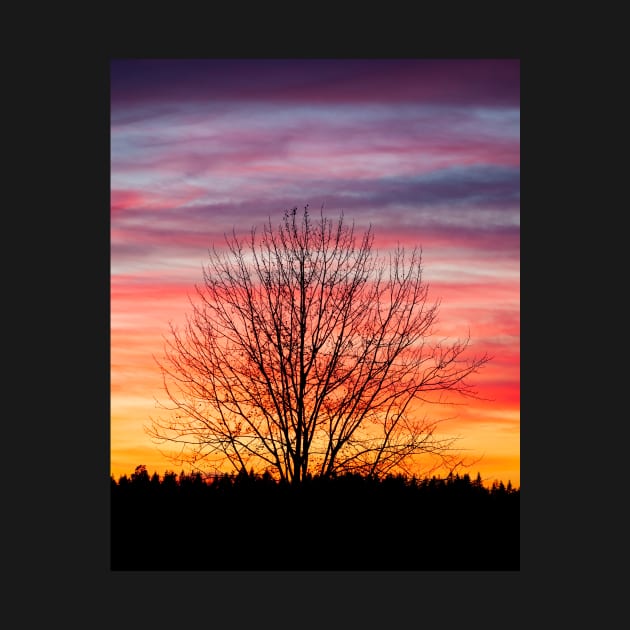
(306, 352)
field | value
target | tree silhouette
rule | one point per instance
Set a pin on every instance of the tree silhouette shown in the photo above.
(306, 353)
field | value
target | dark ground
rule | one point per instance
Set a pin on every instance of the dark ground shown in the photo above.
(346, 524)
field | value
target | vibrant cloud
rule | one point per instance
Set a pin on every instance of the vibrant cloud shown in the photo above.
(426, 151)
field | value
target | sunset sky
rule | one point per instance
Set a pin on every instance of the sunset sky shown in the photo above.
(426, 151)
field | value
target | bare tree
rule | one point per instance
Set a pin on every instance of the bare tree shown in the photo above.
(307, 353)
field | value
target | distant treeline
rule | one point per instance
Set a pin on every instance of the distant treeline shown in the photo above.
(349, 522)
